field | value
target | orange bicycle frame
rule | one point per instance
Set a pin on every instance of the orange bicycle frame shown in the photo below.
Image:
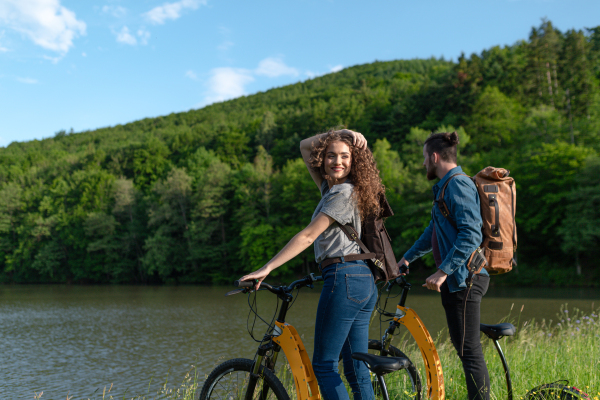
(295, 352)
(433, 367)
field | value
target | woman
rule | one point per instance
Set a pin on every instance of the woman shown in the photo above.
(344, 169)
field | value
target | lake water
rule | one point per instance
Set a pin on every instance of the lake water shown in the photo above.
(76, 340)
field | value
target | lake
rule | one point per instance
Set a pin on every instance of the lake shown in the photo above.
(76, 340)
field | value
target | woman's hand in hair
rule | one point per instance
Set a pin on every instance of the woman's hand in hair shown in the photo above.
(359, 140)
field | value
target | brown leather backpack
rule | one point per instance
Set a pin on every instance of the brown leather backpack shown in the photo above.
(376, 245)
(498, 196)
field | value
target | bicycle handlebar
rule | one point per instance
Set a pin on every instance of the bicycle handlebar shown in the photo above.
(306, 281)
(243, 284)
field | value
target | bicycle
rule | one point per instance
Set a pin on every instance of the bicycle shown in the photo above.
(256, 379)
(259, 381)
(433, 369)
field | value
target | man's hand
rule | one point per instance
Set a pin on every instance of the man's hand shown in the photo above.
(401, 263)
(434, 282)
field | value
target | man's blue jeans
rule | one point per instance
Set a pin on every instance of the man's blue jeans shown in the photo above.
(347, 301)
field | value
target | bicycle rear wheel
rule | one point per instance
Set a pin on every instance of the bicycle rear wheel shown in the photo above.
(403, 384)
(229, 381)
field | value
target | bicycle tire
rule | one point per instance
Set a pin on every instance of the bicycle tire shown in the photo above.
(229, 380)
(405, 383)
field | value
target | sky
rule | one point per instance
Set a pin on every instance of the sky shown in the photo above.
(86, 64)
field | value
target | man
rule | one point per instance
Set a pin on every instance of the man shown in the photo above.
(452, 246)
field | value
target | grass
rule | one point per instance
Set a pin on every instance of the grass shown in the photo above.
(540, 353)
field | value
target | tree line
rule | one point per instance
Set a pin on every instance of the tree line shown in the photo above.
(206, 195)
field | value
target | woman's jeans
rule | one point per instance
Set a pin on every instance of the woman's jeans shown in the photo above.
(347, 301)
(463, 326)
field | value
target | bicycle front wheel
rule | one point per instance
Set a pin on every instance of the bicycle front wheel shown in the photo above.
(231, 380)
(403, 384)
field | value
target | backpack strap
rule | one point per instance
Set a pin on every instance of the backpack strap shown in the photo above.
(353, 236)
(512, 200)
(443, 207)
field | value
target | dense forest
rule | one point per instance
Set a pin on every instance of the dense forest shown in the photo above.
(206, 195)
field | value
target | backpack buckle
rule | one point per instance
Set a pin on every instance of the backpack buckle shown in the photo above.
(378, 263)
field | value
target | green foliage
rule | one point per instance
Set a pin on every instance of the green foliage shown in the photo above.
(579, 229)
(495, 118)
(206, 195)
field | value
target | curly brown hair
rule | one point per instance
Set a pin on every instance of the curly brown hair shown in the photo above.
(363, 172)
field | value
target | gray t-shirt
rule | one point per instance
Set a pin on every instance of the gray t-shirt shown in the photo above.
(338, 203)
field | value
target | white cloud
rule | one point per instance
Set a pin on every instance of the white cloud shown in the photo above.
(45, 22)
(192, 75)
(115, 11)
(144, 36)
(224, 46)
(274, 67)
(227, 43)
(171, 11)
(2, 49)
(312, 74)
(125, 37)
(29, 81)
(227, 83)
(53, 60)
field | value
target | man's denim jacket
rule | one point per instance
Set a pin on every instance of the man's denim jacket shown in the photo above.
(455, 246)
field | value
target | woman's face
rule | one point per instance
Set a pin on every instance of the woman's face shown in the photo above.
(338, 161)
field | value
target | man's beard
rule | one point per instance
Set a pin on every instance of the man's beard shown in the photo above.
(431, 172)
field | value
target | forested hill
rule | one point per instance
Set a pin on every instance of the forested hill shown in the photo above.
(206, 195)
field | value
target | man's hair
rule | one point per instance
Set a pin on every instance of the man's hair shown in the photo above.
(443, 143)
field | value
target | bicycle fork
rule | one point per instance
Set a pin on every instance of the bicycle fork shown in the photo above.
(268, 353)
(285, 337)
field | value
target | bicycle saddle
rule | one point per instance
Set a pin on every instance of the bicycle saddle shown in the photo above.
(498, 331)
(381, 365)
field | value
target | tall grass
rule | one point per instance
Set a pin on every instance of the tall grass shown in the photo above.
(540, 352)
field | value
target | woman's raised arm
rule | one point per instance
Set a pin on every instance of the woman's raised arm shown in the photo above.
(305, 149)
(307, 144)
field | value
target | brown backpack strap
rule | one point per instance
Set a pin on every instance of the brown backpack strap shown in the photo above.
(442, 204)
(353, 235)
(512, 200)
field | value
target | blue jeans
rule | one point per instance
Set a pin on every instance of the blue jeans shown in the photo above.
(347, 301)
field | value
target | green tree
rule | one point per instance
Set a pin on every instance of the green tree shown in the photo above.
(495, 119)
(265, 136)
(210, 229)
(580, 229)
(150, 162)
(544, 178)
(168, 248)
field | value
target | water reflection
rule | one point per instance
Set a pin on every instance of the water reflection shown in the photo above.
(74, 339)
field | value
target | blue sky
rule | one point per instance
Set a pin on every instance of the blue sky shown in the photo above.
(94, 63)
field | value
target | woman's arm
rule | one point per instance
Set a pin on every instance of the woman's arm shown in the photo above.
(298, 244)
(307, 144)
(305, 148)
